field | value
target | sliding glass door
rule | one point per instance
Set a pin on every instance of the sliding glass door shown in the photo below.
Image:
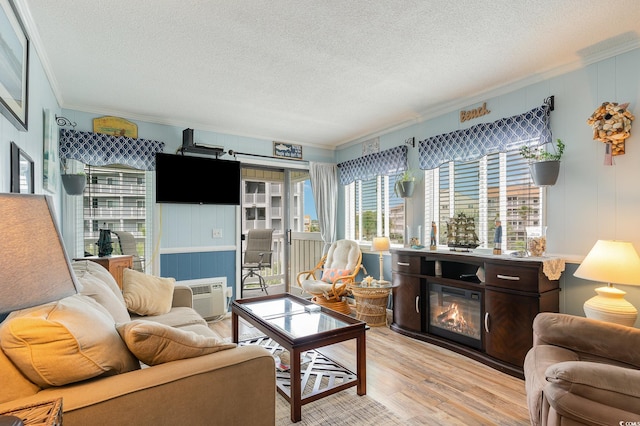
(278, 199)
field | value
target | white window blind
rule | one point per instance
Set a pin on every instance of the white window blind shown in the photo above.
(372, 209)
(497, 186)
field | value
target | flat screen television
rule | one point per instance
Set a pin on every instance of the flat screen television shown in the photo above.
(197, 180)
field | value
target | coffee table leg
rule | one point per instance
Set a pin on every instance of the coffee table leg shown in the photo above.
(361, 364)
(296, 388)
(234, 327)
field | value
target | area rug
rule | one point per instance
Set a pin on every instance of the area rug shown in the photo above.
(342, 408)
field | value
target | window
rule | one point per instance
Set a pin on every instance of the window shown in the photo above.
(374, 210)
(115, 199)
(497, 186)
(371, 207)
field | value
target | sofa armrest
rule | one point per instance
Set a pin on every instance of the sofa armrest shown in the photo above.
(189, 391)
(182, 297)
(598, 393)
(589, 338)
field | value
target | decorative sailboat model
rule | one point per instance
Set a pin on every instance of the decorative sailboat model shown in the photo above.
(461, 233)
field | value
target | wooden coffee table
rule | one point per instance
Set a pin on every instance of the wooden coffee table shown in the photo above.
(283, 318)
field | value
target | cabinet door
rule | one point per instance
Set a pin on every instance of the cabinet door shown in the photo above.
(407, 302)
(508, 325)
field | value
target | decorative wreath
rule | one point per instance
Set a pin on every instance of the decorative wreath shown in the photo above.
(612, 125)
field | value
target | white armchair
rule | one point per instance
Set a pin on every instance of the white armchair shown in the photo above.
(328, 282)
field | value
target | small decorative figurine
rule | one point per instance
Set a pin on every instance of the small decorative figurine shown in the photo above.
(434, 231)
(497, 238)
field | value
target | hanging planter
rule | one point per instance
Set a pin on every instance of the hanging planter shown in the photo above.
(545, 173)
(404, 188)
(74, 184)
(405, 183)
(544, 166)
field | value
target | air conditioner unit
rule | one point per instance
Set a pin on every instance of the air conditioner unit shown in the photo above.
(209, 296)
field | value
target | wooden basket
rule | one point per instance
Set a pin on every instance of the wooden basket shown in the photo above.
(47, 413)
(341, 306)
(371, 305)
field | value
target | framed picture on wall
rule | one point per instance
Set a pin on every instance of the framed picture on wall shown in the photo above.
(14, 63)
(287, 150)
(22, 172)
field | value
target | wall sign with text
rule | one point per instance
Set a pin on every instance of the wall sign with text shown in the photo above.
(287, 150)
(474, 113)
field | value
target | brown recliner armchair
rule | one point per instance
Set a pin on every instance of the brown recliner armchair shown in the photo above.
(582, 371)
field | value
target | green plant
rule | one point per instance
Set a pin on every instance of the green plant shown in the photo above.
(404, 184)
(65, 169)
(540, 154)
(406, 176)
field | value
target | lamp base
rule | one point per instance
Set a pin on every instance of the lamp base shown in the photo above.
(609, 305)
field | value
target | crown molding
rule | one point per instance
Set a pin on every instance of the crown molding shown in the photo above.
(457, 104)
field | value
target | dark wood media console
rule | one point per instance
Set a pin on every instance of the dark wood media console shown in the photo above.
(499, 296)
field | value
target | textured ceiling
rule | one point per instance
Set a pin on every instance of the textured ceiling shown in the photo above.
(305, 71)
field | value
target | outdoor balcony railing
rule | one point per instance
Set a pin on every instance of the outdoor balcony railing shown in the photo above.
(306, 251)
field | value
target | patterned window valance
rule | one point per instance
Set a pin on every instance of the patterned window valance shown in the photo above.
(385, 163)
(506, 134)
(96, 149)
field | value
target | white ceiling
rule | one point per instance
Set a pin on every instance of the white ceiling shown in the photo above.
(312, 72)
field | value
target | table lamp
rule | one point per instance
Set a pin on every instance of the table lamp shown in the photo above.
(381, 244)
(34, 266)
(613, 262)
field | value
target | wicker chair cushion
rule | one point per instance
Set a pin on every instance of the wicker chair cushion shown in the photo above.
(330, 275)
(316, 287)
(343, 254)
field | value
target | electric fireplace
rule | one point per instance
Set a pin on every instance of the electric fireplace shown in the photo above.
(455, 314)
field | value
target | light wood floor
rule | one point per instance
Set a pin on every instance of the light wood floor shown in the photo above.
(425, 384)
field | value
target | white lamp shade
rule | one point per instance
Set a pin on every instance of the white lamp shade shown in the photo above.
(609, 261)
(614, 262)
(380, 244)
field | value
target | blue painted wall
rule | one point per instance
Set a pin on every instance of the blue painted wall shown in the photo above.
(187, 249)
(191, 266)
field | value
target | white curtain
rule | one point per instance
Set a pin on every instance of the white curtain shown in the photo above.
(324, 184)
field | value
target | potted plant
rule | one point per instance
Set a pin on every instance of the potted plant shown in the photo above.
(544, 165)
(73, 183)
(405, 184)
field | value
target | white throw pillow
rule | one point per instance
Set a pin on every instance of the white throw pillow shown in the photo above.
(147, 294)
(64, 342)
(155, 343)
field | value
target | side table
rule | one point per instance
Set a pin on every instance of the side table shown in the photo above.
(48, 413)
(115, 264)
(371, 303)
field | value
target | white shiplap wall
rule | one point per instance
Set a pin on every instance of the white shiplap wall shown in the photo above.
(591, 201)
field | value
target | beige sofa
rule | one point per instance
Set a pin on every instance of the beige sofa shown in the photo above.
(230, 386)
(582, 371)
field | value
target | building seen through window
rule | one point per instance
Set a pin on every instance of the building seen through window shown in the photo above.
(496, 187)
(114, 198)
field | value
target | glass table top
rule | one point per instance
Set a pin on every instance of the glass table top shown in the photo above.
(291, 317)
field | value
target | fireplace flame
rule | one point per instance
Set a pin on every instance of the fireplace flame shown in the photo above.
(453, 320)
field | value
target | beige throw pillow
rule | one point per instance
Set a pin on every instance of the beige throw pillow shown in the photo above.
(97, 283)
(64, 342)
(154, 343)
(147, 294)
